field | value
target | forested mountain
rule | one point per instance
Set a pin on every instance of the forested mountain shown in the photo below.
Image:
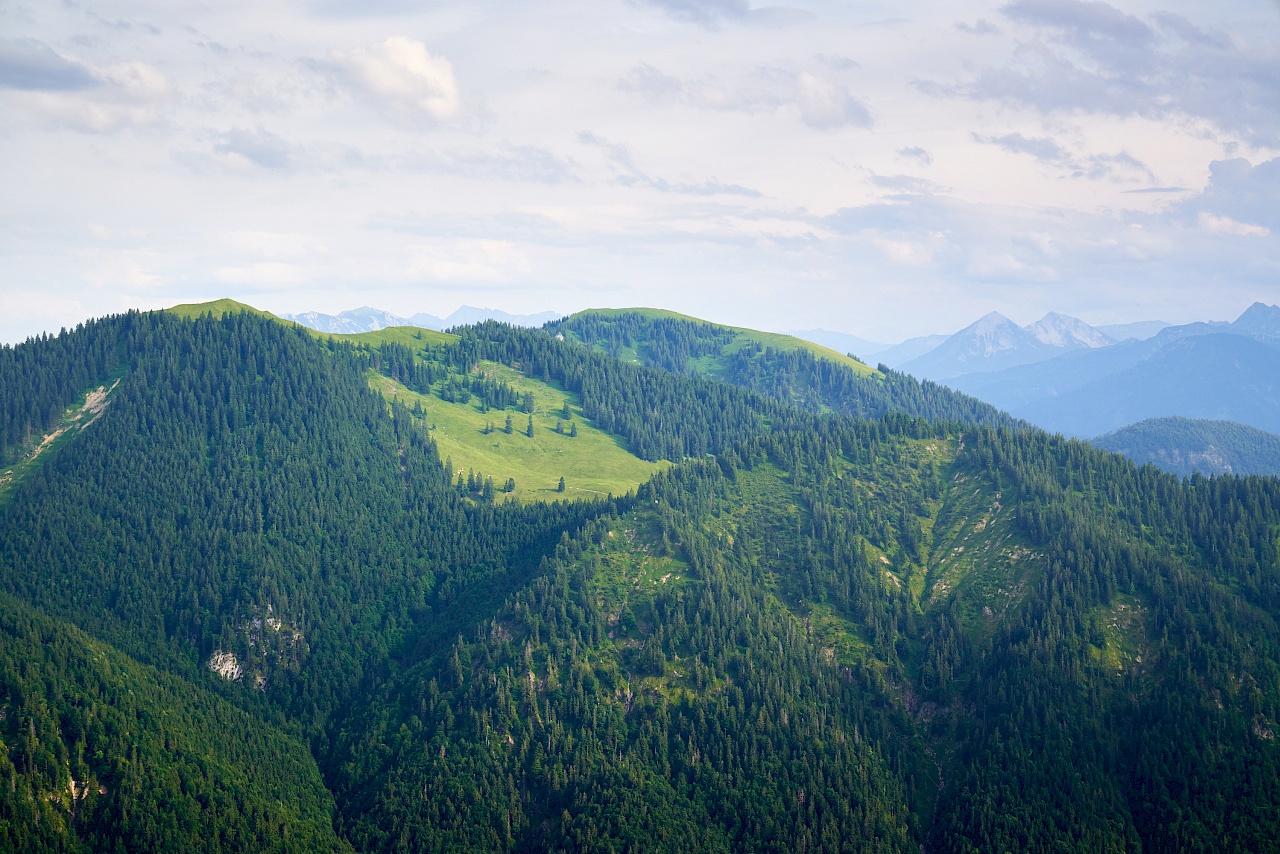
(1184, 446)
(788, 369)
(251, 608)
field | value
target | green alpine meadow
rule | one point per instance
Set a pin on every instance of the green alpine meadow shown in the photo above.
(628, 582)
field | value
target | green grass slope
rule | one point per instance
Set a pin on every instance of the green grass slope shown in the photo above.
(592, 463)
(218, 308)
(409, 336)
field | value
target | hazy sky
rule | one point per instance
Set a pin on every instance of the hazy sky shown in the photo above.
(885, 169)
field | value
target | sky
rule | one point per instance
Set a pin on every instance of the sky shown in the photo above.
(882, 169)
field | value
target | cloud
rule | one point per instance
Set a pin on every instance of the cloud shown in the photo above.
(519, 163)
(1226, 225)
(257, 147)
(1120, 167)
(470, 261)
(1091, 57)
(702, 11)
(1240, 191)
(31, 66)
(1190, 33)
(265, 274)
(629, 174)
(646, 80)
(1096, 27)
(980, 27)
(907, 184)
(825, 104)
(77, 96)
(917, 154)
(1041, 148)
(821, 101)
(122, 95)
(402, 78)
(1149, 190)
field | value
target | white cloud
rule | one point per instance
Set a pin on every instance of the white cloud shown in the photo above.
(702, 11)
(28, 305)
(822, 101)
(470, 261)
(266, 274)
(1095, 58)
(1227, 225)
(93, 99)
(912, 253)
(403, 78)
(825, 104)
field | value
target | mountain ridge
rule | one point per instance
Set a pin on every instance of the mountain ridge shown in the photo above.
(1184, 446)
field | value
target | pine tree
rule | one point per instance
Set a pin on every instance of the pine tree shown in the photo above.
(528, 431)
(560, 486)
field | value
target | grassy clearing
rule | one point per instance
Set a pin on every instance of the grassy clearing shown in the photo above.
(592, 463)
(1123, 627)
(412, 337)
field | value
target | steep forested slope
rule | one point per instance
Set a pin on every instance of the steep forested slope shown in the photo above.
(809, 633)
(100, 753)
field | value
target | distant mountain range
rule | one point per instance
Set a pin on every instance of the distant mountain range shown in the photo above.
(989, 343)
(1062, 374)
(995, 342)
(1219, 371)
(1184, 446)
(367, 319)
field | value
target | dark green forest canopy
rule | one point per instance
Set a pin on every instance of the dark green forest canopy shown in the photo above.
(813, 633)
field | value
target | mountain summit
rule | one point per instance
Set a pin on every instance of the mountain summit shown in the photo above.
(1068, 333)
(991, 342)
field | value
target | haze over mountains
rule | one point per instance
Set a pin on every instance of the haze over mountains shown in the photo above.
(1064, 375)
(367, 319)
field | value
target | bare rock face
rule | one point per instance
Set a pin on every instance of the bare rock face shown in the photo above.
(225, 665)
